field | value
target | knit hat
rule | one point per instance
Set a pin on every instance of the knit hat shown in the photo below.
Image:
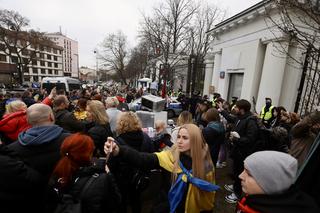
(274, 171)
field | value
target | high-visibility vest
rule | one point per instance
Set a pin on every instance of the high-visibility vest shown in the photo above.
(266, 115)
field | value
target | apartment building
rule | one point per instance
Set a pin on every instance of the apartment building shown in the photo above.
(47, 62)
(70, 56)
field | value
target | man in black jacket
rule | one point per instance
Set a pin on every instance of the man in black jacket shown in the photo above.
(18, 183)
(63, 117)
(39, 146)
(243, 137)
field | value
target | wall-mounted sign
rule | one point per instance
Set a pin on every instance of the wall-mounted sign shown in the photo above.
(222, 74)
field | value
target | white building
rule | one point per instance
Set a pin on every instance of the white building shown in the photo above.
(70, 56)
(87, 74)
(248, 61)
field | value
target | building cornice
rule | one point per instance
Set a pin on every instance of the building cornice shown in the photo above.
(249, 14)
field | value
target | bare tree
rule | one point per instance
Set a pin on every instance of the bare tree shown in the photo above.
(17, 40)
(138, 61)
(166, 30)
(113, 53)
(199, 42)
(177, 29)
(299, 22)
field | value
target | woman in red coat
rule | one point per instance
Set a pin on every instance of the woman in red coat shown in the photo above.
(14, 121)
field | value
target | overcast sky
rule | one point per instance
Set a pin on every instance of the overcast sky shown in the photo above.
(89, 21)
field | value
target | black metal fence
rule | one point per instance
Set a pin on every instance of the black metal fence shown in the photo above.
(308, 98)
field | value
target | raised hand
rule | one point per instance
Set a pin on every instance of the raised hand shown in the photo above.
(111, 147)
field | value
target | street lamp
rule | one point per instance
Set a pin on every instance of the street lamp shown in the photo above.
(97, 64)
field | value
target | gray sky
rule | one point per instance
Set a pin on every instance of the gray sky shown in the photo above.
(89, 21)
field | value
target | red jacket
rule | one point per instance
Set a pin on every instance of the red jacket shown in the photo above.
(14, 123)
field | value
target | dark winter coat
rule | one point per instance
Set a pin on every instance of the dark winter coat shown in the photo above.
(68, 121)
(214, 134)
(291, 201)
(99, 134)
(124, 172)
(102, 195)
(39, 147)
(247, 127)
(28, 101)
(20, 185)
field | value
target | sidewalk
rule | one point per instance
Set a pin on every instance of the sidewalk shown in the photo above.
(223, 177)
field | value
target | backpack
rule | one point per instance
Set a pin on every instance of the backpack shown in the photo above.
(72, 204)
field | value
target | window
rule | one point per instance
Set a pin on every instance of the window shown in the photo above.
(34, 62)
(55, 58)
(25, 60)
(49, 49)
(25, 52)
(50, 71)
(49, 57)
(56, 72)
(3, 58)
(49, 64)
(35, 70)
(55, 51)
(43, 71)
(55, 65)
(2, 47)
(13, 50)
(41, 55)
(42, 63)
(14, 59)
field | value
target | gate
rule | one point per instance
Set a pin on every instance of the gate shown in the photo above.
(308, 98)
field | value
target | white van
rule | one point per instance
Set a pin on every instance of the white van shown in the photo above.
(66, 83)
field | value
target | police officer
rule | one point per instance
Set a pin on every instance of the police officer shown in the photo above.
(266, 113)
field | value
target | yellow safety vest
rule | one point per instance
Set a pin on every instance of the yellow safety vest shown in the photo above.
(266, 115)
(193, 204)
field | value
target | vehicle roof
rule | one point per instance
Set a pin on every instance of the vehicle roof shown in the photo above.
(63, 79)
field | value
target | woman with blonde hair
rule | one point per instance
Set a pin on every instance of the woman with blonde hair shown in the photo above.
(130, 134)
(14, 121)
(99, 129)
(190, 165)
(185, 117)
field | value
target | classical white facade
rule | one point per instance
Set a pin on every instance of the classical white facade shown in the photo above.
(249, 61)
(70, 56)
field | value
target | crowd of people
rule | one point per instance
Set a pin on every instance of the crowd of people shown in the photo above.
(86, 146)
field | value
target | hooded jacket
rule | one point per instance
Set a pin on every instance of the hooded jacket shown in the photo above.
(14, 123)
(39, 147)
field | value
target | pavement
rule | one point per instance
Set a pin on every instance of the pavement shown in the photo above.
(223, 176)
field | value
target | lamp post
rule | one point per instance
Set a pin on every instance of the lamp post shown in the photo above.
(97, 65)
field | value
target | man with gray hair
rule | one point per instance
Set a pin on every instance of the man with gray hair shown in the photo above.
(39, 146)
(112, 111)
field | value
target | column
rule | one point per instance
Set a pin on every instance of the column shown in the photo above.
(208, 74)
(272, 73)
